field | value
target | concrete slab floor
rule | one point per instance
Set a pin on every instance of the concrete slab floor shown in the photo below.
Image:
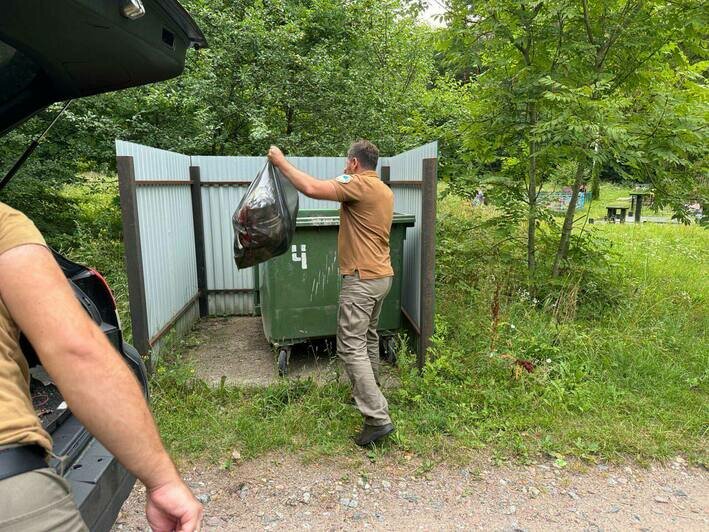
(236, 348)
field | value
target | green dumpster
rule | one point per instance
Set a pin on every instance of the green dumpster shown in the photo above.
(299, 291)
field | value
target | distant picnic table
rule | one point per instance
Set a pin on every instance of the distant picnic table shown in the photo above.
(637, 198)
(616, 212)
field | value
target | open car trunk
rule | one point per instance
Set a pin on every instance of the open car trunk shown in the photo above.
(58, 50)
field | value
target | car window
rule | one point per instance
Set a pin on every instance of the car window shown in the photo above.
(17, 72)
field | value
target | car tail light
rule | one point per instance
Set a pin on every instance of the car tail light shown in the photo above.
(105, 285)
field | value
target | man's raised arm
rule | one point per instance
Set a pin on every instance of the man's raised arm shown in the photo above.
(308, 185)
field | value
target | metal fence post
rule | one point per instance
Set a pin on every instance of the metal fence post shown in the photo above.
(200, 253)
(386, 175)
(133, 253)
(428, 257)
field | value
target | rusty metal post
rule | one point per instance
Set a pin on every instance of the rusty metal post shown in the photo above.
(200, 253)
(133, 254)
(386, 175)
(428, 258)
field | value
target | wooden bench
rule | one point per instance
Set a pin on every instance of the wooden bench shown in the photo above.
(618, 212)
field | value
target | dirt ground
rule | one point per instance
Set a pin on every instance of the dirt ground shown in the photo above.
(235, 348)
(282, 493)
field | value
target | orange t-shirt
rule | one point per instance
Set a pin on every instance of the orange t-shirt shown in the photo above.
(18, 422)
(365, 224)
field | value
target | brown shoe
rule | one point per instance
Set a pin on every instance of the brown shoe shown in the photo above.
(371, 434)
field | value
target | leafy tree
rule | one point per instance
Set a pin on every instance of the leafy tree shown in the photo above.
(310, 75)
(623, 93)
(506, 49)
(563, 83)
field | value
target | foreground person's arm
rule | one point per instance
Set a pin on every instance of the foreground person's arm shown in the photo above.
(98, 386)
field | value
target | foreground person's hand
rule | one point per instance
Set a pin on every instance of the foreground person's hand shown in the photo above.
(171, 507)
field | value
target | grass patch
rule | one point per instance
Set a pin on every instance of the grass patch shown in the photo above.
(620, 353)
(621, 372)
(197, 420)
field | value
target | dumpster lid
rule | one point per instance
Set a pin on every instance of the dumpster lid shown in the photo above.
(331, 217)
(409, 220)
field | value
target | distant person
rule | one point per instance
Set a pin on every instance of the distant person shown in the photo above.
(479, 199)
(366, 216)
(695, 209)
(96, 383)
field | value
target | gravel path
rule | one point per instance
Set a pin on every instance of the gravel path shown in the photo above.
(282, 493)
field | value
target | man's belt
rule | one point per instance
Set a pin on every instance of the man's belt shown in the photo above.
(23, 459)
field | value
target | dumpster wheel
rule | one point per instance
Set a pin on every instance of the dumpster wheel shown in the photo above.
(389, 348)
(283, 359)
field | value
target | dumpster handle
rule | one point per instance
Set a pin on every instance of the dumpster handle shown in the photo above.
(257, 292)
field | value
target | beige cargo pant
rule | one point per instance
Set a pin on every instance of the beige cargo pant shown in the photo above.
(358, 343)
(38, 501)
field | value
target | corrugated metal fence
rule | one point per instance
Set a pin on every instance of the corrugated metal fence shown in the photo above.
(156, 204)
(406, 174)
(224, 182)
(174, 206)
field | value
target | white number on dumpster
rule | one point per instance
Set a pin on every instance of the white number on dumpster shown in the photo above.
(303, 259)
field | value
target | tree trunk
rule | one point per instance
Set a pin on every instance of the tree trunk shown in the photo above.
(595, 177)
(289, 119)
(563, 249)
(532, 198)
(596, 186)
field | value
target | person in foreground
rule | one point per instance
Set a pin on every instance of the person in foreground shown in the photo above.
(98, 386)
(366, 214)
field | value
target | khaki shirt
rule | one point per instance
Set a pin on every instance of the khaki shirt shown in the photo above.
(365, 224)
(18, 422)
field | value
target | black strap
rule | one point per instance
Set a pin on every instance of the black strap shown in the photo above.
(18, 460)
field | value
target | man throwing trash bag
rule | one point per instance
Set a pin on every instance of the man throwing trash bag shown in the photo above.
(365, 265)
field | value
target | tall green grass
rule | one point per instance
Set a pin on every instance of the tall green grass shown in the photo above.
(621, 371)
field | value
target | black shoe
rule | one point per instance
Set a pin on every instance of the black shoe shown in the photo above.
(370, 434)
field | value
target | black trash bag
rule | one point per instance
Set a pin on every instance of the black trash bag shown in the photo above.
(264, 222)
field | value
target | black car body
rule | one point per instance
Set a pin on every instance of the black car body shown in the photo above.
(52, 51)
(55, 50)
